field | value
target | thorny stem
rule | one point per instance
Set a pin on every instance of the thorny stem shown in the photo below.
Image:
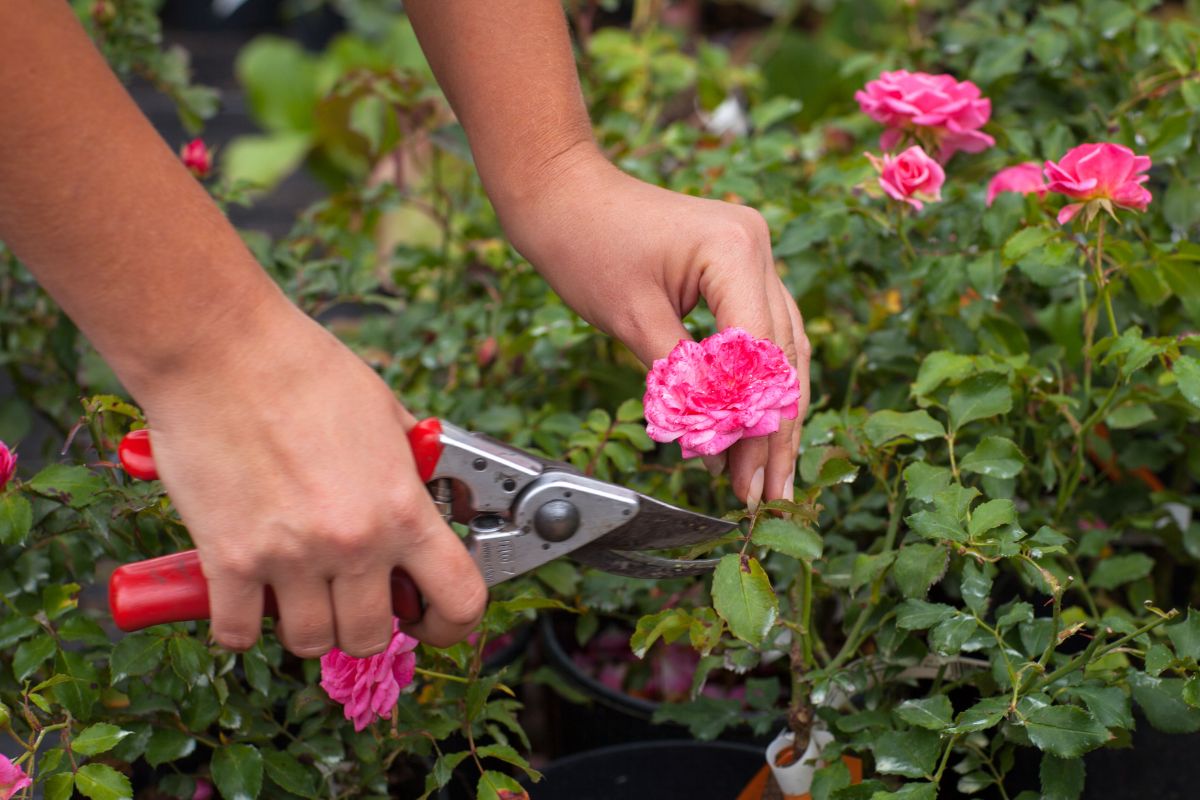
(428, 673)
(909, 254)
(937, 777)
(1089, 655)
(1102, 286)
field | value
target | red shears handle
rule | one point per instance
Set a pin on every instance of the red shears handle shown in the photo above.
(173, 588)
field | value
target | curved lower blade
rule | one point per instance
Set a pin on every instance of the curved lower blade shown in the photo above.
(641, 565)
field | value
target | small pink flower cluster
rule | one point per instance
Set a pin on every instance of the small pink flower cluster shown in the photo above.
(947, 114)
(712, 393)
(12, 778)
(8, 465)
(368, 688)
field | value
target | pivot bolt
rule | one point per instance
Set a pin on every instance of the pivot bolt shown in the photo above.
(556, 520)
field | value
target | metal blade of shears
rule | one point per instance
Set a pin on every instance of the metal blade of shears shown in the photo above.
(660, 526)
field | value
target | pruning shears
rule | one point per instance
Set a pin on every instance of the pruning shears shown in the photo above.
(524, 511)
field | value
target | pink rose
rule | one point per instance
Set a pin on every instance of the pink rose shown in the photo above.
(951, 110)
(368, 688)
(1021, 179)
(712, 393)
(911, 176)
(204, 790)
(1107, 174)
(8, 465)
(197, 158)
(12, 778)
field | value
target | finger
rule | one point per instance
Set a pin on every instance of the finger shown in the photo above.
(305, 625)
(362, 611)
(803, 360)
(236, 607)
(446, 575)
(745, 304)
(781, 456)
(652, 332)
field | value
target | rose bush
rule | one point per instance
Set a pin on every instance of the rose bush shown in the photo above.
(998, 472)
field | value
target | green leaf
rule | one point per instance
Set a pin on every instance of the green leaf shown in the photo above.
(705, 717)
(1065, 731)
(1025, 241)
(828, 779)
(73, 485)
(102, 782)
(981, 716)
(16, 518)
(976, 587)
(491, 783)
(995, 457)
(938, 524)
(59, 787)
(835, 471)
(31, 654)
(289, 774)
(938, 368)
(788, 537)
(912, 754)
(918, 566)
(262, 161)
(1187, 376)
(189, 658)
(1109, 704)
(1117, 570)
(932, 713)
(168, 744)
(669, 625)
(884, 426)
(980, 397)
(1186, 635)
(949, 635)
(630, 411)
(923, 481)
(777, 109)
(1161, 699)
(916, 615)
(999, 56)
(237, 770)
(98, 738)
(909, 791)
(743, 596)
(991, 514)
(1062, 778)
(508, 755)
(800, 234)
(136, 654)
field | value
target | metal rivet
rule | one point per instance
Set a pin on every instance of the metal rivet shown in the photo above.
(509, 484)
(480, 464)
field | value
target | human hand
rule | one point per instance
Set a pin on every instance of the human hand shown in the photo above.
(288, 460)
(634, 259)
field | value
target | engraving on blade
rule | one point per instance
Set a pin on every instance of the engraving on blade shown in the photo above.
(659, 526)
(641, 565)
(496, 560)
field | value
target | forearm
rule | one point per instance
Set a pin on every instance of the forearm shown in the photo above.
(507, 68)
(103, 213)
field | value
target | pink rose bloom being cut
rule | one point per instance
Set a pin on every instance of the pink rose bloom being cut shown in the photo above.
(951, 110)
(1022, 179)
(12, 778)
(8, 465)
(712, 393)
(1107, 174)
(912, 176)
(368, 688)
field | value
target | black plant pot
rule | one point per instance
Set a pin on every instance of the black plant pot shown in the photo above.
(661, 770)
(610, 717)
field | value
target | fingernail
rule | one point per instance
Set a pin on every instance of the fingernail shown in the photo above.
(754, 496)
(714, 464)
(789, 488)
